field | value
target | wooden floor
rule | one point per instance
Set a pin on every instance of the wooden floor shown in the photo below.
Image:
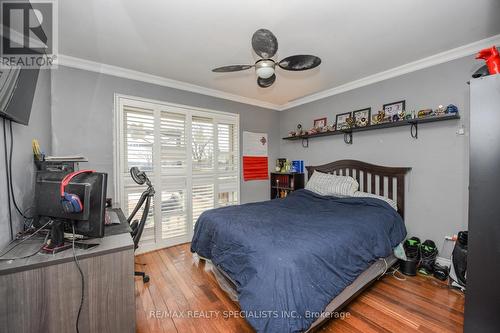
(183, 297)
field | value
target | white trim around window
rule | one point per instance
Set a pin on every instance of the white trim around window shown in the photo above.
(190, 154)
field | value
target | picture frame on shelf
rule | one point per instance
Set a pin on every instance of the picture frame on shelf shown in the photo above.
(393, 109)
(362, 117)
(341, 120)
(320, 123)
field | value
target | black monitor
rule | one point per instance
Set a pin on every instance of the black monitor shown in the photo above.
(90, 187)
(17, 90)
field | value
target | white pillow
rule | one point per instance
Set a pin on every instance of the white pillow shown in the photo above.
(327, 184)
(391, 202)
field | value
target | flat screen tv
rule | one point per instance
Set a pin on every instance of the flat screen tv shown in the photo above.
(17, 89)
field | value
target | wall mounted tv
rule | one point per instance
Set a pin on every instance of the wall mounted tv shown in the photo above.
(17, 89)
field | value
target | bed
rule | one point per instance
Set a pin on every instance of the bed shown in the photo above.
(294, 263)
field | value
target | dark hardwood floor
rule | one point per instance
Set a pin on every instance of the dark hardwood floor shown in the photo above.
(183, 297)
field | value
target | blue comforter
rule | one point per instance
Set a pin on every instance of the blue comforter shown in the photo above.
(290, 257)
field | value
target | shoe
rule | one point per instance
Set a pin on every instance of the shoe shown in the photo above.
(428, 253)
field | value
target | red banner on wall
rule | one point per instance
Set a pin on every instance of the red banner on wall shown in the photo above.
(255, 168)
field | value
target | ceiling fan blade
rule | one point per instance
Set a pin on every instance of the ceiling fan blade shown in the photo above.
(299, 62)
(264, 83)
(264, 43)
(231, 68)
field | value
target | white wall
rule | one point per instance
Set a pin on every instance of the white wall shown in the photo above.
(437, 196)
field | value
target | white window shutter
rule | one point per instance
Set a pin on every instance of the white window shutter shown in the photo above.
(138, 151)
(190, 155)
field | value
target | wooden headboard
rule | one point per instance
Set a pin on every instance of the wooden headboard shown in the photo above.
(376, 179)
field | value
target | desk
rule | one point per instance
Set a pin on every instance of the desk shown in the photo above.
(42, 293)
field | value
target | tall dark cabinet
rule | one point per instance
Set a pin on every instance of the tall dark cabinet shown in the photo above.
(482, 297)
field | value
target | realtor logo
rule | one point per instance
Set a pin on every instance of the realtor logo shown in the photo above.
(29, 33)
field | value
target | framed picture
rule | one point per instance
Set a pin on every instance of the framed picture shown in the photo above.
(362, 117)
(320, 123)
(341, 120)
(394, 108)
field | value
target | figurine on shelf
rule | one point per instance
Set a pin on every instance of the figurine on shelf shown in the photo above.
(407, 115)
(380, 117)
(350, 122)
(292, 133)
(440, 111)
(299, 129)
(395, 118)
(424, 113)
(451, 109)
(362, 122)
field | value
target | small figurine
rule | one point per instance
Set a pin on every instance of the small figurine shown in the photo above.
(395, 118)
(292, 133)
(362, 122)
(440, 111)
(299, 130)
(451, 109)
(424, 113)
(350, 122)
(380, 117)
(408, 115)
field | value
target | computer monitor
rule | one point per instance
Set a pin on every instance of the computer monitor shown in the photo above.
(90, 187)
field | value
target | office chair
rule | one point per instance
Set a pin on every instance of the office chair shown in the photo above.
(137, 226)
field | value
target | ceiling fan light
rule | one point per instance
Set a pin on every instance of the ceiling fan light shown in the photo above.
(265, 72)
(264, 68)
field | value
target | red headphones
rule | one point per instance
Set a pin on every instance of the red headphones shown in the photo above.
(70, 202)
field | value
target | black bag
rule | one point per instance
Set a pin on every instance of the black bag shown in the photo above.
(459, 261)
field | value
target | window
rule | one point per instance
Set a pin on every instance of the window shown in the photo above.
(190, 155)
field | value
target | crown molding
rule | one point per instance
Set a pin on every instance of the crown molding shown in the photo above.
(88, 65)
(439, 58)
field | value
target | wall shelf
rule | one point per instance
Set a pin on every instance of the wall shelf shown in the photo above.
(413, 123)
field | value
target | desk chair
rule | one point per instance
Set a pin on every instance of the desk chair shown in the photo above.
(138, 226)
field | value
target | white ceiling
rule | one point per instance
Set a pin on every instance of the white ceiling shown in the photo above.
(184, 39)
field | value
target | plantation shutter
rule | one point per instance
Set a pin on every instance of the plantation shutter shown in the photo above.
(139, 143)
(190, 155)
(174, 217)
(227, 164)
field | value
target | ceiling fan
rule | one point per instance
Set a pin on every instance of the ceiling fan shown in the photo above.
(265, 44)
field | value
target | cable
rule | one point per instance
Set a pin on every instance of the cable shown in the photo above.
(82, 278)
(10, 174)
(29, 255)
(22, 241)
(7, 179)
